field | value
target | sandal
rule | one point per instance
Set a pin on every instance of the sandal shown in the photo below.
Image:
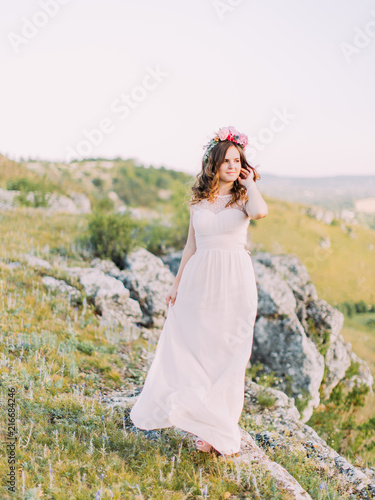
(202, 445)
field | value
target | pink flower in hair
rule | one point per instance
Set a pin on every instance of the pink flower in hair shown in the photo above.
(243, 140)
(223, 133)
(233, 131)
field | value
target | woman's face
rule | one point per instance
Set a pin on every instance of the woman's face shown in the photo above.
(230, 169)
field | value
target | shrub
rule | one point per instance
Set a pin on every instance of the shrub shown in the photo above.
(348, 308)
(98, 182)
(352, 370)
(103, 204)
(111, 235)
(265, 399)
(158, 238)
(32, 193)
(321, 338)
(361, 306)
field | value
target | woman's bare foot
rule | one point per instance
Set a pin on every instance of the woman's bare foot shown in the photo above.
(202, 445)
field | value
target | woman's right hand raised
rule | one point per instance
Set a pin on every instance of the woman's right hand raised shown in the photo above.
(172, 294)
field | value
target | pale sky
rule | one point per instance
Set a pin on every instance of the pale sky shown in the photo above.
(160, 78)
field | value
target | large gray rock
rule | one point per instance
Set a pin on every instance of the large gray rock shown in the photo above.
(75, 203)
(274, 294)
(7, 199)
(291, 269)
(296, 334)
(74, 296)
(37, 262)
(149, 282)
(109, 295)
(294, 273)
(282, 346)
(320, 321)
(282, 431)
(326, 322)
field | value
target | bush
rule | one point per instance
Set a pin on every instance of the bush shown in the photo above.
(348, 308)
(265, 399)
(98, 182)
(361, 307)
(111, 235)
(21, 184)
(103, 204)
(158, 238)
(32, 193)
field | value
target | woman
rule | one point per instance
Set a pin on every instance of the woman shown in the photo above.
(196, 379)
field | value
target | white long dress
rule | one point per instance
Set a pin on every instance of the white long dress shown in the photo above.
(196, 379)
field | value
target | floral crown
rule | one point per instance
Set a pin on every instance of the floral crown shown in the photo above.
(226, 134)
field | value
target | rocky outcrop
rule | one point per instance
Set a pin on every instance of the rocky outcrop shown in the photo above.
(283, 347)
(149, 281)
(74, 296)
(285, 432)
(111, 299)
(7, 199)
(296, 334)
(75, 203)
(326, 322)
(363, 376)
(279, 429)
(34, 261)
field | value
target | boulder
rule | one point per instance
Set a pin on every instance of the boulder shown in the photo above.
(109, 296)
(326, 321)
(74, 296)
(282, 346)
(149, 282)
(274, 295)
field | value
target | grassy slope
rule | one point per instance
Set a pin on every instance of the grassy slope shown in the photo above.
(336, 273)
(59, 360)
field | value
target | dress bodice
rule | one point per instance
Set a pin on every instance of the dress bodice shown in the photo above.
(219, 226)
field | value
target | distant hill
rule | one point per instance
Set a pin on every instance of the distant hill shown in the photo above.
(333, 193)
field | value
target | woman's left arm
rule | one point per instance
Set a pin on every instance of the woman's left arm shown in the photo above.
(255, 207)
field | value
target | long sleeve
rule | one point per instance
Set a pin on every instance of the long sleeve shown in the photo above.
(255, 207)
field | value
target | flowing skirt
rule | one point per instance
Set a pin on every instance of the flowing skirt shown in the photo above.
(196, 379)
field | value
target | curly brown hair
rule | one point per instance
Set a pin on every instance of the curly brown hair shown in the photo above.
(207, 184)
